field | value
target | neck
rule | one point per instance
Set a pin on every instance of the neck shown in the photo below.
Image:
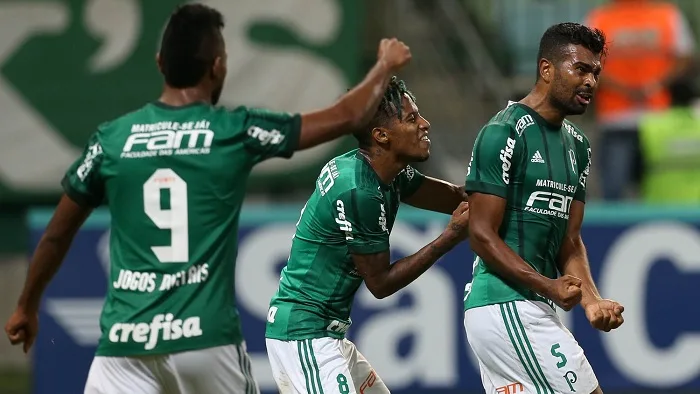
(179, 97)
(384, 164)
(537, 100)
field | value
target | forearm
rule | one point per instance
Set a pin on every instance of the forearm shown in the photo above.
(408, 269)
(575, 263)
(507, 264)
(45, 263)
(438, 196)
(352, 111)
(362, 101)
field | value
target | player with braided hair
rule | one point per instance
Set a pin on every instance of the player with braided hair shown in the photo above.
(342, 238)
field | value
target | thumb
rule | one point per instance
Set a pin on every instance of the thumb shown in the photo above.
(574, 289)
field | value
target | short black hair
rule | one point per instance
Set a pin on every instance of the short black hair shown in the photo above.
(559, 36)
(391, 105)
(191, 42)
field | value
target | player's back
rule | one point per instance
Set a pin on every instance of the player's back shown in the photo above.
(174, 179)
(350, 211)
(539, 169)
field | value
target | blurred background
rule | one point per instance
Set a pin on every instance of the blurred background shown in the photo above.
(68, 65)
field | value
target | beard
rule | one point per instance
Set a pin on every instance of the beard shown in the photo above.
(566, 103)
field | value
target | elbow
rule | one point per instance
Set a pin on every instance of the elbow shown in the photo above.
(479, 237)
(378, 291)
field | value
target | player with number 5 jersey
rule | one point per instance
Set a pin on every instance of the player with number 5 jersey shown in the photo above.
(173, 174)
(527, 187)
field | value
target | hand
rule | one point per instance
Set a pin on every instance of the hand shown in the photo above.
(22, 328)
(458, 228)
(605, 315)
(394, 53)
(565, 291)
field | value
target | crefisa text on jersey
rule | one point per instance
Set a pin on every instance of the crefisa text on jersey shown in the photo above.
(150, 281)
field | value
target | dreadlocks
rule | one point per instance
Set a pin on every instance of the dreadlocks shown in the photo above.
(391, 105)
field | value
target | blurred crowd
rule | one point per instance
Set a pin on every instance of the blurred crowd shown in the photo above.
(647, 110)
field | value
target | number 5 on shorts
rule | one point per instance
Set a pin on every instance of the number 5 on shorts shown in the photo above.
(558, 355)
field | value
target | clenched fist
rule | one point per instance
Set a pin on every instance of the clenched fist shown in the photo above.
(605, 315)
(394, 53)
(566, 292)
(22, 328)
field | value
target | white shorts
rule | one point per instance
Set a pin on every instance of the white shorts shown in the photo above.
(522, 346)
(217, 370)
(322, 365)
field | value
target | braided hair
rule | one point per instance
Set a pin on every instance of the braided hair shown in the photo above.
(391, 105)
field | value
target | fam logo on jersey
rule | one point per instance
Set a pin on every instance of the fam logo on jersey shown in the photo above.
(570, 129)
(167, 139)
(524, 122)
(506, 156)
(551, 203)
(342, 220)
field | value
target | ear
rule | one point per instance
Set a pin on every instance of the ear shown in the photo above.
(380, 135)
(546, 69)
(218, 69)
(160, 68)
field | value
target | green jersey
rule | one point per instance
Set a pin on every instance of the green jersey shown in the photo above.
(539, 169)
(351, 211)
(174, 180)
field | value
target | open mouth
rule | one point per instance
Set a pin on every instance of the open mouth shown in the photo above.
(584, 98)
(425, 138)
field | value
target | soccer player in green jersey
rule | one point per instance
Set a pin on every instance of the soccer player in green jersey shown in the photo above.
(173, 174)
(527, 188)
(342, 238)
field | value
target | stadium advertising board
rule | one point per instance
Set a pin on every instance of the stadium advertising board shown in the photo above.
(647, 259)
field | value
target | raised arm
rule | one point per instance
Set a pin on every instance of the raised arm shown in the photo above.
(356, 107)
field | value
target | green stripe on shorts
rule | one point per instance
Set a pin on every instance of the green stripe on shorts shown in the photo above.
(517, 350)
(318, 372)
(241, 365)
(532, 353)
(302, 360)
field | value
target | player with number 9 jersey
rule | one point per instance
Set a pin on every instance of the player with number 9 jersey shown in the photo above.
(172, 226)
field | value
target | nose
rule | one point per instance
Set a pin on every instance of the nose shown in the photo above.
(424, 124)
(590, 81)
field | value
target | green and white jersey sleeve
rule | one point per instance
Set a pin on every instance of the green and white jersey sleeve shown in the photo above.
(494, 161)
